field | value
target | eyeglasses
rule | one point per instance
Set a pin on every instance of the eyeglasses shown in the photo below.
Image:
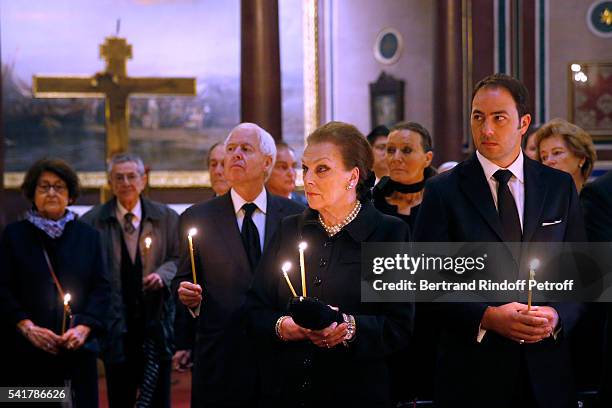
(128, 178)
(45, 188)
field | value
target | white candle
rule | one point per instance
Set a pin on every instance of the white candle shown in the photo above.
(286, 266)
(533, 265)
(67, 299)
(190, 235)
(302, 247)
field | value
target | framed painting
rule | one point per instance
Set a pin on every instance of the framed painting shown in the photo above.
(386, 101)
(169, 39)
(590, 98)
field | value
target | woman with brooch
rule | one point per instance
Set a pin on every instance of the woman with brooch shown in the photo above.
(408, 158)
(343, 362)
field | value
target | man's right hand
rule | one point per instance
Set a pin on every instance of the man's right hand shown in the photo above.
(181, 361)
(190, 294)
(513, 321)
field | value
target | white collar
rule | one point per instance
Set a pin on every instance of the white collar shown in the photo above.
(137, 211)
(260, 201)
(490, 168)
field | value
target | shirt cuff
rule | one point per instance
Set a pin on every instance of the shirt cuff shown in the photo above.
(195, 312)
(481, 334)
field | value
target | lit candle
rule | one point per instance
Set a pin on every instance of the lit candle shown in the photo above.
(67, 299)
(190, 235)
(148, 241)
(302, 247)
(533, 265)
(286, 266)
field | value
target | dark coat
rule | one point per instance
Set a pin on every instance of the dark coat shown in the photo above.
(458, 207)
(296, 372)
(160, 223)
(596, 200)
(27, 291)
(224, 371)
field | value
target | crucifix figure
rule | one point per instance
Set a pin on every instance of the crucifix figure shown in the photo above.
(115, 86)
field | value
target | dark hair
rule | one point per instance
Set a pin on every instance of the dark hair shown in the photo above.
(426, 141)
(354, 150)
(377, 132)
(210, 152)
(284, 145)
(517, 89)
(531, 131)
(56, 166)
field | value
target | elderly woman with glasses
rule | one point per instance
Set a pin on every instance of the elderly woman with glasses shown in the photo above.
(53, 289)
(343, 362)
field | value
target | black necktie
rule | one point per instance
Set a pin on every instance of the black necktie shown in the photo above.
(506, 207)
(250, 236)
(128, 227)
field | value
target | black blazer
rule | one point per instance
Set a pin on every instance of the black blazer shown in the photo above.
(596, 200)
(224, 371)
(458, 207)
(299, 372)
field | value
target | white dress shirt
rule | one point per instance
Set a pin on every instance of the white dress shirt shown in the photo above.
(516, 184)
(258, 217)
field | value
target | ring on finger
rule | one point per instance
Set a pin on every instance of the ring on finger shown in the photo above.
(521, 341)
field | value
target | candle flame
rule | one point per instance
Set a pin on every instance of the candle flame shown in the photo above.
(534, 264)
(67, 298)
(286, 266)
(192, 232)
(303, 245)
(148, 242)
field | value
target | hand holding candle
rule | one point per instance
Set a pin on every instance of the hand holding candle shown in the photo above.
(192, 232)
(533, 265)
(286, 266)
(302, 247)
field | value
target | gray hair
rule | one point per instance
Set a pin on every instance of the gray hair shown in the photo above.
(267, 145)
(125, 158)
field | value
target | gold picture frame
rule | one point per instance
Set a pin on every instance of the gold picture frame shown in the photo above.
(590, 98)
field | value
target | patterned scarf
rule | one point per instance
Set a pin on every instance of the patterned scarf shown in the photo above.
(52, 228)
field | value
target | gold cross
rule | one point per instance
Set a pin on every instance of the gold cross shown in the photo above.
(606, 17)
(115, 86)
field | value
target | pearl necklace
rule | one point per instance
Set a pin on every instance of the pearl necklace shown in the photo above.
(334, 229)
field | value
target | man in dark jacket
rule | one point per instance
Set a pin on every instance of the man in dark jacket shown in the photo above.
(140, 244)
(502, 355)
(232, 232)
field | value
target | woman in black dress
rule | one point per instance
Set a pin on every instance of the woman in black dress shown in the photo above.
(409, 158)
(342, 364)
(43, 259)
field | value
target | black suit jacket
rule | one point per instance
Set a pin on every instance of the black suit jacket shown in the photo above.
(458, 207)
(596, 200)
(224, 370)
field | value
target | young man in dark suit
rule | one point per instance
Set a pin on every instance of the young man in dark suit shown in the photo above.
(502, 355)
(232, 232)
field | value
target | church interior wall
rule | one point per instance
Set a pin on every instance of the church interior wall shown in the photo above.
(570, 40)
(355, 25)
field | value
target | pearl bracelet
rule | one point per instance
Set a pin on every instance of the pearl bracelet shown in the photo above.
(277, 327)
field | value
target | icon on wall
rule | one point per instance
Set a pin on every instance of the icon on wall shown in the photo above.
(386, 101)
(388, 46)
(599, 18)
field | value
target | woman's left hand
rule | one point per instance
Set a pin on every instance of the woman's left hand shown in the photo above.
(74, 338)
(329, 337)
